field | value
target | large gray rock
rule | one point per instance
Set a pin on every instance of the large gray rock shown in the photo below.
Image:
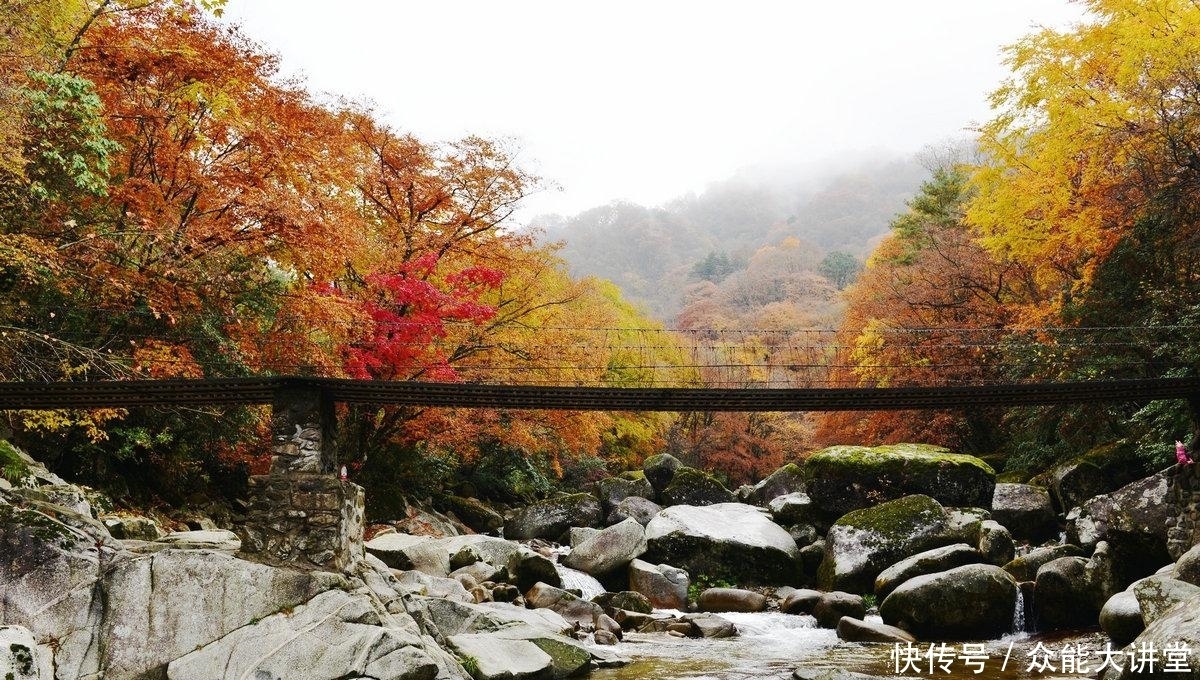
(1187, 567)
(1158, 594)
(403, 551)
(1133, 520)
(995, 543)
(609, 550)
(690, 486)
(831, 607)
(728, 540)
(1121, 618)
(613, 490)
(928, 562)
(659, 469)
(1025, 567)
(863, 543)
(793, 508)
(1070, 591)
(635, 507)
(731, 600)
(570, 607)
(786, 480)
(1025, 510)
(841, 479)
(334, 635)
(1177, 628)
(552, 517)
(492, 658)
(852, 629)
(975, 601)
(665, 586)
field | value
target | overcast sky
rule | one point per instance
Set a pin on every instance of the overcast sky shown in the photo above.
(645, 100)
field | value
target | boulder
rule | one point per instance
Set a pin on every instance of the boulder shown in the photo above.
(611, 549)
(690, 486)
(971, 602)
(995, 543)
(733, 541)
(841, 479)
(626, 600)
(641, 509)
(665, 586)
(405, 552)
(786, 480)
(659, 469)
(928, 562)
(567, 605)
(416, 582)
(1025, 510)
(1158, 594)
(613, 490)
(792, 508)
(1178, 628)
(1187, 567)
(132, 528)
(1121, 618)
(218, 539)
(863, 543)
(831, 607)
(488, 657)
(334, 635)
(1025, 567)
(853, 629)
(474, 513)
(708, 625)
(1099, 471)
(527, 567)
(552, 517)
(800, 601)
(1133, 520)
(1070, 591)
(576, 536)
(731, 600)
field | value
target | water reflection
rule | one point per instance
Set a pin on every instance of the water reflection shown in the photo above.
(772, 645)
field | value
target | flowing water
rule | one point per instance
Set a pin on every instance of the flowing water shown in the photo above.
(585, 583)
(771, 645)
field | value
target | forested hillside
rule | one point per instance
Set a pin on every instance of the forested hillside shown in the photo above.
(654, 254)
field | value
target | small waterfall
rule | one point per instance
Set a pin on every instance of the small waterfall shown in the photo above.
(573, 578)
(1018, 622)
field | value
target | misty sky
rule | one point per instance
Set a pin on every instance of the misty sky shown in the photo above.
(645, 100)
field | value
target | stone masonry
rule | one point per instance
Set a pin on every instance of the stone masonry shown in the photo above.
(1184, 492)
(301, 513)
(309, 520)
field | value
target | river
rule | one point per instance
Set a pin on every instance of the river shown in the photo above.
(771, 645)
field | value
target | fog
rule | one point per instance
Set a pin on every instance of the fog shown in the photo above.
(645, 101)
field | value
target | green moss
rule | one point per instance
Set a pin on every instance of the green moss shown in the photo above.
(12, 466)
(868, 460)
(633, 475)
(901, 517)
(42, 527)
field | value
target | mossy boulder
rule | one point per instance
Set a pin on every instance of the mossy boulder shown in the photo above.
(552, 517)
(1025, 510)
(474, 513)
(1101, 470)
(659, 470)
(787, 479)
(690, 486)
(613, 490)
(863, 543)
(840, 479)
(1025, 567)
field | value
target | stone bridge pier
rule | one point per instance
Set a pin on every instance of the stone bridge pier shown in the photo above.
(301, 513)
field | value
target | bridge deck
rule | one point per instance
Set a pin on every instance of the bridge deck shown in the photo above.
(134, 393)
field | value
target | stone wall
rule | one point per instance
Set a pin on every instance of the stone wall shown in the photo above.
(1184, 492)
(309, 520)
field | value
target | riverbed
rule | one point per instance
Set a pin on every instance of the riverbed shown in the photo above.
(772, 645)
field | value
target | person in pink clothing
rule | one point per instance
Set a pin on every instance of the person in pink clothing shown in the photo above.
(1181, 454)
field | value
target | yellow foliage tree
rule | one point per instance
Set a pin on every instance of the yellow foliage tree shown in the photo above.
(1094, 126)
